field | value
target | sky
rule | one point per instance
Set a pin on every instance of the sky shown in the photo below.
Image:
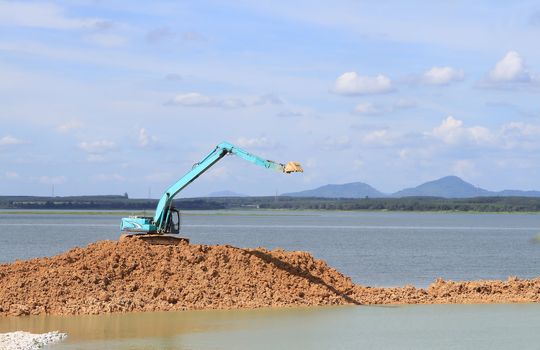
(108, 97)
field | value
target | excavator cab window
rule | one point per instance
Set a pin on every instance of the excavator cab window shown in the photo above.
(175, 221)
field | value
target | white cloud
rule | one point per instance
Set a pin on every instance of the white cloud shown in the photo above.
(442, 76)
(368, 108)
(11, 175)
(52, 180)
(162, 34)
(95, 158)
(230, 103)
(480, 135)
(464, 168)
(195, 99)
(109, 177)
(173, 77)
(510, 68)
(159, 34)
(41, 15)
(534, 20)
(268, 99)
(145, 140)
(514, 135)
(404, 103)
(404, 153)
(289, 114)
(520, 135)
(106, 40)
(350, 83)
(358, 164)
(521, 128)
(97, 147)
(193, 36)
(256, 142)
(416, 154)
(192, 99)
(452, 131)
(68, 126)
(334, 143)
(104, 24)
(9, 140)
(381, 137)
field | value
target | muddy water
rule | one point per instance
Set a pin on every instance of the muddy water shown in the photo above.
(374, 248)
(404, 327)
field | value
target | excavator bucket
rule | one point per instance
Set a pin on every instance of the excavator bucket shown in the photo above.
(293, 167)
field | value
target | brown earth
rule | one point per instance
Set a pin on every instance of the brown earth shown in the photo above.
(134, 276)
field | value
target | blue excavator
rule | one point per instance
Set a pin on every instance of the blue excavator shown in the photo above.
(166, 219)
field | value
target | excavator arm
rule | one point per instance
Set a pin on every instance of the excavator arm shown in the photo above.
(161, 222)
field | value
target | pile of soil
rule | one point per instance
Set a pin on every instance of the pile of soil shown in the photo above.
(514, 290)
(134, 276)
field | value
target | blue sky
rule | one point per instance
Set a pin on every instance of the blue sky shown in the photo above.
(107, 97)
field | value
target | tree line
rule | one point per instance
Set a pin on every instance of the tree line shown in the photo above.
(480, 204)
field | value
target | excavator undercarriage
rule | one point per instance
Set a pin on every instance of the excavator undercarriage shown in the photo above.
(154, 239)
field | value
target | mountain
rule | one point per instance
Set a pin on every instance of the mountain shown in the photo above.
(350, 190)
(226, 194)
(447, 187)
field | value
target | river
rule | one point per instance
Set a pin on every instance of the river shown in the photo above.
(374, 248)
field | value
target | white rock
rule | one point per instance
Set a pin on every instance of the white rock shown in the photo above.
(28, 341)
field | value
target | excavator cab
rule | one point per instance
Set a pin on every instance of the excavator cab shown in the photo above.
(173, 222)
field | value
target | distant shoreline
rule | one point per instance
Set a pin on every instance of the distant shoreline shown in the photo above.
(404, 204)
(249, 212)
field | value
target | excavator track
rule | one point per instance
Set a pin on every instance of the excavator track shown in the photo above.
(155, 239)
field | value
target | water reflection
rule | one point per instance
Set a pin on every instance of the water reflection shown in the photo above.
(148, 328)
(349, 327)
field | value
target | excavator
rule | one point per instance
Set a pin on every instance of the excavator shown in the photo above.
(166, 220)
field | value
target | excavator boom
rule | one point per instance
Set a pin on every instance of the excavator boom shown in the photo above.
(164, 221)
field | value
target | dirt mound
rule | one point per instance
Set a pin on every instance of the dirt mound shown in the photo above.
(513, 290)
(134, 276)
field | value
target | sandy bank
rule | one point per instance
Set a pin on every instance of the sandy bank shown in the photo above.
(133, 276)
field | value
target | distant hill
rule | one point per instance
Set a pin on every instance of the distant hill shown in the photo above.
(350, 190)
(446, 187)
(226, 194)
